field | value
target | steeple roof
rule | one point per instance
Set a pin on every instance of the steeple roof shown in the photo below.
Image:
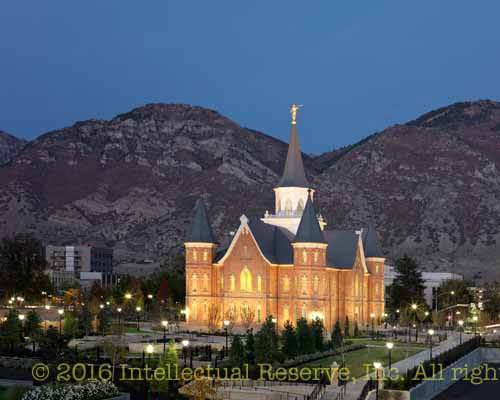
(294, 174)
(201, 231)
(371, 243)
(309, 230)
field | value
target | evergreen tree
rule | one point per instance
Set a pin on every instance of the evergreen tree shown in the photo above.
(317, 332)
(250, 347)
(336, 335)
(10, 332)
(356, 329)
(408, 286)
(266, 342)
(85, 320)
(305, 342)
(33, 325)
(169, 361)
(70, 327)
(347, 330)
(237, 351)
(289, 339)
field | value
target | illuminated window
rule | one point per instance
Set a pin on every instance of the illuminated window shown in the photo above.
(205, 255)
(288, 205)
(205, 282)
(303, 284)
(286, 283)
(376, 268)
(259, 313)
(195, 255)
(194, 310)
(194, 283)
(205, 310)
(304, 256)
(316, 256)
(376, 288)
(232, 283)
(315, 284)
(259, 284)
(304, 311)
(300, 207)
(286, 313)
(245, 280)
(356, 286)
(222, 281)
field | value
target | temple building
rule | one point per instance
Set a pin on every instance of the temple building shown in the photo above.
(286, 265)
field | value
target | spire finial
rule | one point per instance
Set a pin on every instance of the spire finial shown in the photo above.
(293, 110)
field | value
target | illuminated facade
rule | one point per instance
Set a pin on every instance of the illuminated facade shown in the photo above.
(287, 264)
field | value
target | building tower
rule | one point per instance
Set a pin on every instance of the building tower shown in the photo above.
(200, 251)
(294, 189)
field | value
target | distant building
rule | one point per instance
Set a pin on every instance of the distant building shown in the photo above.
(432, 280)
(84, 264)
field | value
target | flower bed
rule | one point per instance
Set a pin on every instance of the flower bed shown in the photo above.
(86, 391)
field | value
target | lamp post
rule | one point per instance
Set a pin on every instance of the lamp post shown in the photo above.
(389, 346)
(164, 323)
(60, 312)
(47, 308)
(430, 332)
(226, 326)
(21, 318)
(138, 309)
(377, 365)
(460, 329)
(414, 308)
(475, 319)
(119, 310)
(185, 344)
(149, 351)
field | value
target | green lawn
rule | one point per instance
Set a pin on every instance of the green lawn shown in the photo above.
(370, 342)
(355, 360)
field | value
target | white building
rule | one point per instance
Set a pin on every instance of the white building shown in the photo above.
(431, 280)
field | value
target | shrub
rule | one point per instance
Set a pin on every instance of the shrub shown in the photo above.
(87, 391)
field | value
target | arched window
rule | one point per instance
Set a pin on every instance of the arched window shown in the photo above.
(222, 281)
(205, 282)
(195, 255)
(300, 206)
(316, 256)
(316, 284)
(259, 284)
(259, 313)
(286, 283)
(288, 206)
(194, 283)
(194, 310)
(245, 280)
(303, 284)
(205, 255)
(356, 286)
(304, 311)
(304, 256)
(232, 282)
(205, 311)
(286, 313)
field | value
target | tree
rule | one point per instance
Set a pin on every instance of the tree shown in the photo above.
(317, 333)
(266, 342)
(336, 335)
(115, 352)
(214, 317)
(163, 292)
(347, 331)
(237, 351)
(85, 319)
(452, 292)
(250, 347)
(408, 286)
(22, 267)
(305, 341)
(491, 301)
(33, 324)
(289, 339)
(70, 327)
(170, 362)
(247, 315)
(356, 329)
(10, 333)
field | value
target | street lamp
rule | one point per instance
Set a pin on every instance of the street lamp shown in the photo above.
(414, 308)
(475, 319)
(377, 365)
(119, 309)
(185, 344)
(460, 329)
(430, 332)
(226, 326)
(60, 312)
(389, 346)
(128, 296)
(372, 316)
(21, 318)
(138, 309)
(164, 323)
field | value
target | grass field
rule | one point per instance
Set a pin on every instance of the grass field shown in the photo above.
(356, 360)
(370, 342)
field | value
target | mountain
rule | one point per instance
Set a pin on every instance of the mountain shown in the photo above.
(9, 147)
(430, 186)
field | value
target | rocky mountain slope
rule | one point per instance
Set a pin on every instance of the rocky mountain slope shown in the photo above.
(9, 147)
(430, 186)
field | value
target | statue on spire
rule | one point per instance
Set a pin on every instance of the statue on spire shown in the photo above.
(293, 110)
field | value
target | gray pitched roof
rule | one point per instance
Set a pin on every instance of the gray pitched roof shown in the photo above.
(371, 243)
(293, 174)
(272, 241)
(309, 230)
(342, 245)
(201, 231)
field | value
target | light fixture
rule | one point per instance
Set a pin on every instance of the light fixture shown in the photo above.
(377, 364)
(60, 311)
(185, 343)
(372, 315)
(21, 317)
(430, 332)
(413, 306)
(226, 322)
(47, 307)
(128, 296)
(119, 309)
(150, 349)
(164, 323)
(138, 309)
(461, 323)
(389, 345)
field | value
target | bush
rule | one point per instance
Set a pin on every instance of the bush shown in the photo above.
(95, 390)
(14, 392)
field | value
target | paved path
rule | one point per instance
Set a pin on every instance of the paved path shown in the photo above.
(354, 389)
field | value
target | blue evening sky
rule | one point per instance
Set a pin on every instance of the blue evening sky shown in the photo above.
(357, 66)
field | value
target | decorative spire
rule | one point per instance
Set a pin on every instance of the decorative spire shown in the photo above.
(309, 230)
(371, 242)
(201, 231)
(294, 174)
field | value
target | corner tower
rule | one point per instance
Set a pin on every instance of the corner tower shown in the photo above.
(294, 189)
